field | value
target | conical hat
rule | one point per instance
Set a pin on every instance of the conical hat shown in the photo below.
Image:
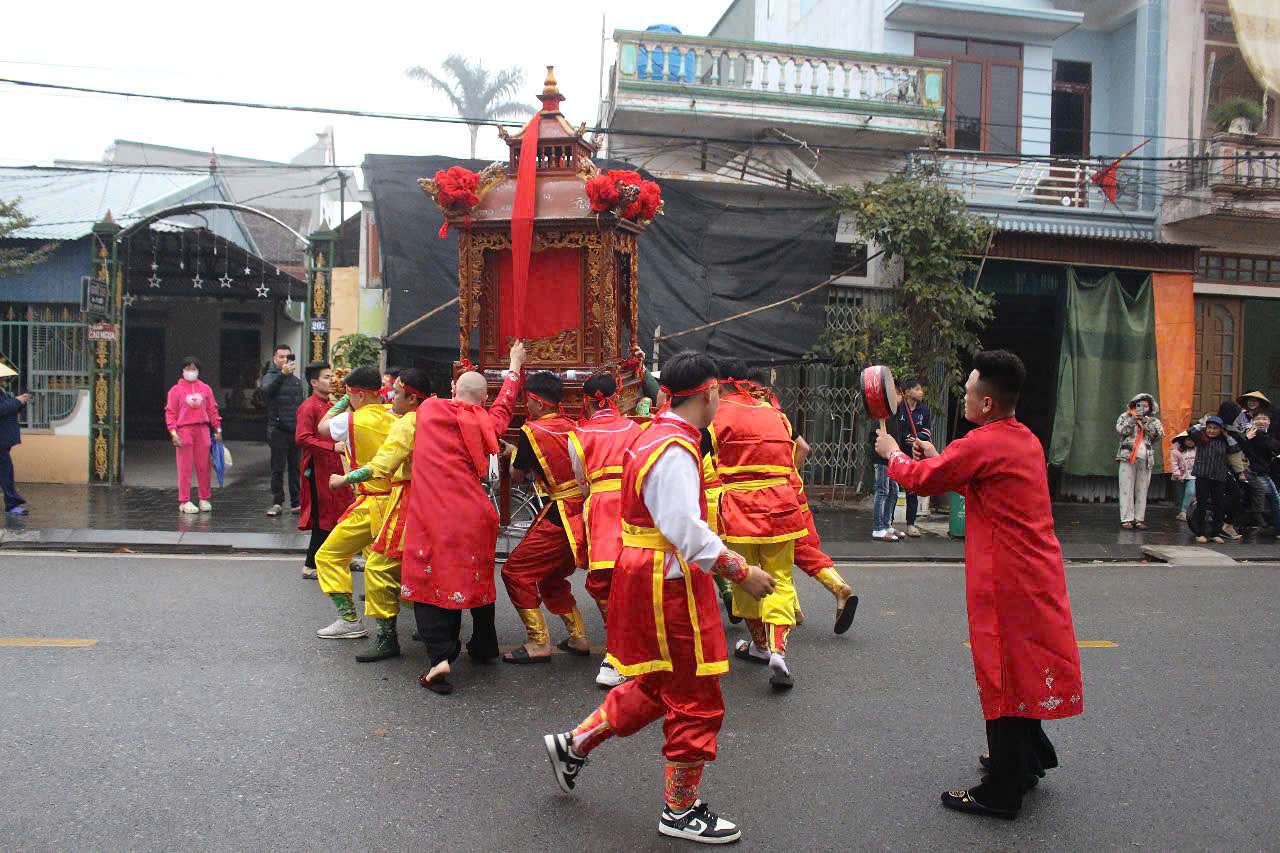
(1257, 395)
(6, 371)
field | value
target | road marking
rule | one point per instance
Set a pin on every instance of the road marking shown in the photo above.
(60, 642)
(1084, 644)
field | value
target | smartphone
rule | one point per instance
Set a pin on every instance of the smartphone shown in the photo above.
(293, 357)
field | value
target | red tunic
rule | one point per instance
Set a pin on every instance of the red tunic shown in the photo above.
(1024, 644)
(602, 441)
(754, 457)
(638, 642)
(320, 459)
(451, 527)
(549, 438)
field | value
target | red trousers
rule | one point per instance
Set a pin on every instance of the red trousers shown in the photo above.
(810, 558)
(538, 570)
(598, 582)
(194, 450)
(690, 705)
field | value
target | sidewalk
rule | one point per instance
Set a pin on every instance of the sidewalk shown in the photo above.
(146, 517)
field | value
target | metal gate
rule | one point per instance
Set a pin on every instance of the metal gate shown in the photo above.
(48, 346)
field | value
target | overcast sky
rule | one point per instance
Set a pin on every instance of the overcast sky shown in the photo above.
(347, 55)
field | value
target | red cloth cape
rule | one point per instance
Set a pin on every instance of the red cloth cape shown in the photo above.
(451, 527)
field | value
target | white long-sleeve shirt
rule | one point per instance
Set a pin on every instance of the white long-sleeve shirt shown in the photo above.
(671, 494)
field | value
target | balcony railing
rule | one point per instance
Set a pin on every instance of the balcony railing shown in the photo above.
(799, 72)
(1057, 182)
(1237, 164)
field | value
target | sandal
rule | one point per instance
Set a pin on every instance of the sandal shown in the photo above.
(1140, 525)
(1126, 525)
(564, 646)
(844, 615)
(521, 656)
(442, 686)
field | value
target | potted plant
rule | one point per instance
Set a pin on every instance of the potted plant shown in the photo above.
(1236, 115)
(350, 352)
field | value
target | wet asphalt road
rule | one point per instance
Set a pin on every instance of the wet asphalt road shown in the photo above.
(208, 716)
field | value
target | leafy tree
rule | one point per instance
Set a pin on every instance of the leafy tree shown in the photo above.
(936, 318)
(18, 259)
(476, 92)
(356, 350)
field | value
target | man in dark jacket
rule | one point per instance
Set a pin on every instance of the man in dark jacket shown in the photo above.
(1261, 449)
(284, 392)
(10, 435)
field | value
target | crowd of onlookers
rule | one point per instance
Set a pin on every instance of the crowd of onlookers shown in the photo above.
(1225, 466)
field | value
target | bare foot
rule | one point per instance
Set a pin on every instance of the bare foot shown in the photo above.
(580, 645)
(438, 672)
(536, 651)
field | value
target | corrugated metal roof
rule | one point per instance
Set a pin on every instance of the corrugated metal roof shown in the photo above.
(66, 202)
(1067, 228)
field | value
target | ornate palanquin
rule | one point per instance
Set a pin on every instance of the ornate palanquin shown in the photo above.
(581, 308)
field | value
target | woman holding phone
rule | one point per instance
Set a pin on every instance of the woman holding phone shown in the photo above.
(190, 413)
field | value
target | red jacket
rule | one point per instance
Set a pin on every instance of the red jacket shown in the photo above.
(1020, 629)
(319, 460)
(601, 442)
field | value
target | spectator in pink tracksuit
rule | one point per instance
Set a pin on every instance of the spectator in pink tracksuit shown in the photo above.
(189, 414)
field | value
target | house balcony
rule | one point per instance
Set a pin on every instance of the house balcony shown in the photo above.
(1234, 185)
(1055, 195)
(690, 85)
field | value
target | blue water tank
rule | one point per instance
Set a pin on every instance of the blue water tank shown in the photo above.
(678, 64)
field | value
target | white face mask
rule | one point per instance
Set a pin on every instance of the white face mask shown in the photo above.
(191, 375)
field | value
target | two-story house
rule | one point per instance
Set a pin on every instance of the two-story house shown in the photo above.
(1225, 199)
(1021, 104)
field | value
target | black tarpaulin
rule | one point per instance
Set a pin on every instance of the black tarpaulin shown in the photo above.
(716, 251)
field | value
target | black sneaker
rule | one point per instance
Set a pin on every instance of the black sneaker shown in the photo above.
(565, 763)
(698, 823)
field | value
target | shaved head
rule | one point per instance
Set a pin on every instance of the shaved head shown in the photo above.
(470, 387)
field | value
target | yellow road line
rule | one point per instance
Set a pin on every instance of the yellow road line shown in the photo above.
(1086, 644)
(61, 642)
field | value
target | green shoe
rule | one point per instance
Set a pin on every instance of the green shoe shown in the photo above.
(387, 645)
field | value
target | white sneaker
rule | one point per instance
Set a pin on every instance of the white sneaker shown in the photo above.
(888, 534)
(205, 506)
(341, 629)
(698, 823)
(189, 508)
(608, 676)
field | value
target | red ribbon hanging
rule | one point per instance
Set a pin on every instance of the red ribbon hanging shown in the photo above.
(522, 210)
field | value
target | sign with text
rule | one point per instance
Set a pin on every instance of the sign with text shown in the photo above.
(102, 332)
(95, 296)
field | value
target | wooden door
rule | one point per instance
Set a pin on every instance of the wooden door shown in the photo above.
(1218, 350)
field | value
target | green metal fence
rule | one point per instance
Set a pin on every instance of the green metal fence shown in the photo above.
(48, 345)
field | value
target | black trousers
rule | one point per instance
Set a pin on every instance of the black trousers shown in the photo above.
(11, 496)
(913, 507)
(441, 628)
(318, 535)
(1020, 752)
(1215, 498)
(285, 457)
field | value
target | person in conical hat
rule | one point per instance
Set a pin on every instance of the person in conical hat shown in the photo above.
(1250, 404)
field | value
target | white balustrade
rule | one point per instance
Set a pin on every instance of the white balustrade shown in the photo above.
(671, 58)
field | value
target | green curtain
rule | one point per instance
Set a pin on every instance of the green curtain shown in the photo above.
(1108, 355)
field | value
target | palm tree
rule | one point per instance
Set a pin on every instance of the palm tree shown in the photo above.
(476, 92)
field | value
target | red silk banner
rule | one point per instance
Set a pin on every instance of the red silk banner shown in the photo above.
(555, 291)
(522, 223)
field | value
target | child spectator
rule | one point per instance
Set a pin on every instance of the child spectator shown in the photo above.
(1182, 457)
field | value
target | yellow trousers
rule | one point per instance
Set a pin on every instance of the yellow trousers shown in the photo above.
(381, 586)
(353, 534)
(776, 558)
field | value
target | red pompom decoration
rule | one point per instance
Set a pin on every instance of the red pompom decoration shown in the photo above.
(456, 189)
(603, 192)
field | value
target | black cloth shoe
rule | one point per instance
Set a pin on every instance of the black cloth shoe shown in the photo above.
(383, 647)
(565, 763)
(844, 619)
(698, 823)
(963, 801)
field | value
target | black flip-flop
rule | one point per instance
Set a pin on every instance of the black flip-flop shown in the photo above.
(441, 686)
(844, 619)
(564, 646)
(742, 651)
(522, 657)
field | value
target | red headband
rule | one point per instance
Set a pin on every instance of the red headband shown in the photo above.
(705, 386)
(543, 400)
(602, 400)
(413, 390)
